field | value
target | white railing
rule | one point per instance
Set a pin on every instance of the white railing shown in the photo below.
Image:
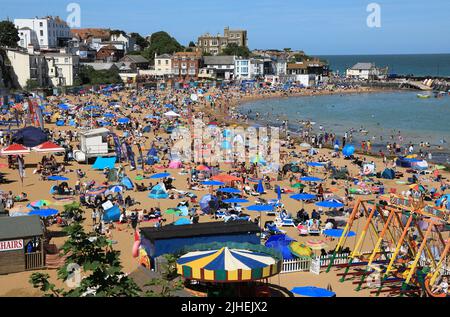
(296, 265)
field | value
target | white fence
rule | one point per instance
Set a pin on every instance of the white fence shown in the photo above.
(304, 264)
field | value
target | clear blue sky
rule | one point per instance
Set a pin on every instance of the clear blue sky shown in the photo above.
(317, 26)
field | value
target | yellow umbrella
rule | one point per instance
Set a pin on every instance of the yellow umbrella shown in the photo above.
(299, 249)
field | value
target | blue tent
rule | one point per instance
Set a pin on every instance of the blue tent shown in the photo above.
(312, 291)
(30, 136)
(103, 162)
(158, 192)
(112, 214)
(60, 123)
(348, 150)
(230, 190)
(126, 181)
(388, 173)
(205, 204)
(43, 212)
(182, 221)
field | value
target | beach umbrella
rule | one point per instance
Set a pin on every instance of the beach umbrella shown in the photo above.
(116, 189)
(298, 185)
(14, 149)
(260, 187)
(43, 212)
(299, 249)
(57, 178)
(280, 242)
(63, 106)
(235, 200)
(40, 203)
(109, 115)
(123, 120)
(310, 179)
(226, 178)
(329, 204)
(202, 168)
(316, 244)
(48, 147)
(260, 208)
(312, 291)
(139, 178)
(439, 167)
(171, 114)
(229, 190)
(160, 175)
(213, 183)
(337, 233)
(303, 196)
(173, 212)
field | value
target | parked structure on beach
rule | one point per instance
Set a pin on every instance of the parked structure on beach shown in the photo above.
(367, 71)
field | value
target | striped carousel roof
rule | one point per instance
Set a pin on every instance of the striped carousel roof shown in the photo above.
(227, 265)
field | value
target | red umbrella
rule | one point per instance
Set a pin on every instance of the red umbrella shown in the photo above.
(48, 147)
(202, 168)
(14, 149)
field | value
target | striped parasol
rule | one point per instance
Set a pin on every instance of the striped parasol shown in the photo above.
(14, 149)
(227, 265)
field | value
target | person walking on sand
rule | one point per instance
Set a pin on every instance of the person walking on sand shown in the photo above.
(94, 216)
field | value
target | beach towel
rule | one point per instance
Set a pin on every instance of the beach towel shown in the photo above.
(103, 162)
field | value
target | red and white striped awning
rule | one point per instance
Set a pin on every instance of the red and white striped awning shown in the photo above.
(14, 149)
(48, 147)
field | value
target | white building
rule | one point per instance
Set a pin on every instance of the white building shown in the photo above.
(43, 33)
(128, 42)
(366, 71)
(63, 68)
(220, 67)
(163, 65)
(28, 65)
(246, 69)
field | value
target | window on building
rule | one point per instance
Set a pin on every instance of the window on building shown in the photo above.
(66, 60)
(41, 24)
(22, 43)
(159, 62)
(41, 32)
(167, 62)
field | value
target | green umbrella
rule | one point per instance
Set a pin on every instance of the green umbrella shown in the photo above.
(139, 178)
(173, 211)
(298, 185)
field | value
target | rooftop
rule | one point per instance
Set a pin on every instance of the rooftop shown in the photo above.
(20, 227)
(199, 229)
(363, 66)
(219, 60)
(135, 58)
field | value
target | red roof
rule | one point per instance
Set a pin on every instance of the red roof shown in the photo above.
(15, 149)
(48, 147)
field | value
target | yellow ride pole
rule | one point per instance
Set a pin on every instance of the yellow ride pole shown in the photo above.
(355, 252)
(441, 262)
(419, 252)
(399, 244)
(380, 238)
(349, 224)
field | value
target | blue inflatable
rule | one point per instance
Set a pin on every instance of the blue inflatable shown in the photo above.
(348, 150)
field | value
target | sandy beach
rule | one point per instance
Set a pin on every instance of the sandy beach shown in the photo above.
(16, 284)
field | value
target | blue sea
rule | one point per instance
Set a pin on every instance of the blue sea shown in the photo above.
(383, 115)
(413, 64)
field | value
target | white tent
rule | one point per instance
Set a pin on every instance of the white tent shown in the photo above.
(171, 114)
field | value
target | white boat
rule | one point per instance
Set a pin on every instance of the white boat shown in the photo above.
(422, 96)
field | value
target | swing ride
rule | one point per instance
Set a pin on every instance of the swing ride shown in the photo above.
(408, 253)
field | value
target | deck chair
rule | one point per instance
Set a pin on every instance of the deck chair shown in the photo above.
(284, 222)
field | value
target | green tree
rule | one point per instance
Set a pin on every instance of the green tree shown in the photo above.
(142, 42)
(31, 84)
(87, 75)
(101, 267)
(9, 35)
(161, 43)
(234, 49)
(167, 284)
